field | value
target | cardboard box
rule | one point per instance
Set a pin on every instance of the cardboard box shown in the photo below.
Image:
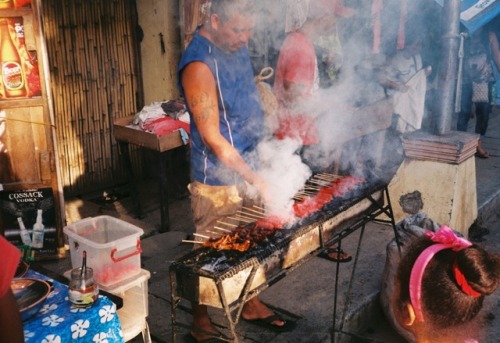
(125, 131)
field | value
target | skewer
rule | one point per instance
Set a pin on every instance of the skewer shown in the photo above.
(228, 224)
(202, 236)
(250, 215)
(313, 187)
(320, 182)
(254, 211)
(214, 232)
(306, 193)
(327, 176)
(194, 242)
(259, 208)
(243, 219)
(221, 229)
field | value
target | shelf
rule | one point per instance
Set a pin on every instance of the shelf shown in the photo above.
(16, 12)
(24, 102)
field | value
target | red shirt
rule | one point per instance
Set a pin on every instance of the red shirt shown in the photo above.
(9, 260)
(296, 64)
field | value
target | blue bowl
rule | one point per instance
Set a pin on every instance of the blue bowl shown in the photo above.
(30, 294)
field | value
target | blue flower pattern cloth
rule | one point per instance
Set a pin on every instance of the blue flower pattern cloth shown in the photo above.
(60, 322)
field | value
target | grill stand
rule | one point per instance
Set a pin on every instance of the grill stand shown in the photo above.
(253, 263)
(361, 224)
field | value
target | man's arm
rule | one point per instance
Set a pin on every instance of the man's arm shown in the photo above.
(201, 96)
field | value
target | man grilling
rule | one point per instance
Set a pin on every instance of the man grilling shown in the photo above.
(216, 79)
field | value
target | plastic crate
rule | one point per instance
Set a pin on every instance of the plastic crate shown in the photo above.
(112, 245)
(133, 313)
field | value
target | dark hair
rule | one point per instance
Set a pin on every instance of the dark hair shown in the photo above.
(443, 302)
(225, 9)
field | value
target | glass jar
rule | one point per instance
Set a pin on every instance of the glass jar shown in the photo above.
(83, 291)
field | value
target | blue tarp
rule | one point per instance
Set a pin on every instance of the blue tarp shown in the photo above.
(474, 14)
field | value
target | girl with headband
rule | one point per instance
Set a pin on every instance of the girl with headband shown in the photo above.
(436, 287)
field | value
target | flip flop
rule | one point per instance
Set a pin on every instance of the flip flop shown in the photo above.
(335, 255)
(190, 338)
(483, 155)
(268, 323)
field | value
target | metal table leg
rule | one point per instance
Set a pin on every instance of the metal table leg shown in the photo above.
(162, 177)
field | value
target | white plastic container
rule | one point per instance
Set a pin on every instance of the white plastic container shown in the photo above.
(135, 309)
(113, 248)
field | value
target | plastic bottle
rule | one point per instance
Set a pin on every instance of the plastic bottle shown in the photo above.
(12, 71)
(38, 231)
(25, 235)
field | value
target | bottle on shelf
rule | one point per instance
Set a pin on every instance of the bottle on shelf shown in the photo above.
(38, 231)
(12, 71)
(25, 235)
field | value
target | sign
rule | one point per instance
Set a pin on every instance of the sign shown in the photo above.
(19, 73)
(474, 14)
(28, 219)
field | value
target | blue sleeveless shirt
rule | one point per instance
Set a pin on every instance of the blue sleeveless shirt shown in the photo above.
(241, 119)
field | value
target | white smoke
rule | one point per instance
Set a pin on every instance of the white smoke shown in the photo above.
(285, 173)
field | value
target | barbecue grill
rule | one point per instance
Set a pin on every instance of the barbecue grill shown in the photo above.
(227, 279)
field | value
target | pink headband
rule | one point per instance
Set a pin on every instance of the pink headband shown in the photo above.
(445, 239)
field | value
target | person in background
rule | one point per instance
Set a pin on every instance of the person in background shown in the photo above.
(227, 123)
(296, 84)
(11, 327)
(296, 79)
(476, 89)
(495, 57)
(404, 64)
(435, 287)
(329, 48)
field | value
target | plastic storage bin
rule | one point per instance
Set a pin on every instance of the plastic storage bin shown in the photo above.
(133, 313)
(113, 248)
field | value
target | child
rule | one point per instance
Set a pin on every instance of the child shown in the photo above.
(434, 290)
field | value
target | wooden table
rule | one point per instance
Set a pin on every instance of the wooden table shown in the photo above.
(160, 146)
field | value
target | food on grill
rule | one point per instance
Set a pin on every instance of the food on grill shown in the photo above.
(318, 191)
(241, 238)
(271, 222)
(337, 188)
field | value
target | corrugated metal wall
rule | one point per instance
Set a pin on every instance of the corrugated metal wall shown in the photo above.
(94, 60)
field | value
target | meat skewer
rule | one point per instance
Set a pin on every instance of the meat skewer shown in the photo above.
(228, 224)
(202, 236)
(242, 219)
(194, 242)
(250, 215)
(221, 229)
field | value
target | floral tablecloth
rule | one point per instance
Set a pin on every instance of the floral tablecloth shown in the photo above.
(60, 322)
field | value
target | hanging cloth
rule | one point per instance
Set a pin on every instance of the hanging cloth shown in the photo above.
(376, 9)
(402, 25)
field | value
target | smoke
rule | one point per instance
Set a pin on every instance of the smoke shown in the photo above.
(353, 123)
(285, 173)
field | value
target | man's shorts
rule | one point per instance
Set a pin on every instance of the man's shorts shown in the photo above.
(212, 205)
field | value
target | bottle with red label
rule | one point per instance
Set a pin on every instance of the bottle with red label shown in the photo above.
(12, 72)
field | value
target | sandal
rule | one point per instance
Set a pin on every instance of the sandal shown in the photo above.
(269, 323)
(335, 255)
(482, 154)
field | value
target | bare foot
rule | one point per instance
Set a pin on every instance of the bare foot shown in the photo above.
(256, 309)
